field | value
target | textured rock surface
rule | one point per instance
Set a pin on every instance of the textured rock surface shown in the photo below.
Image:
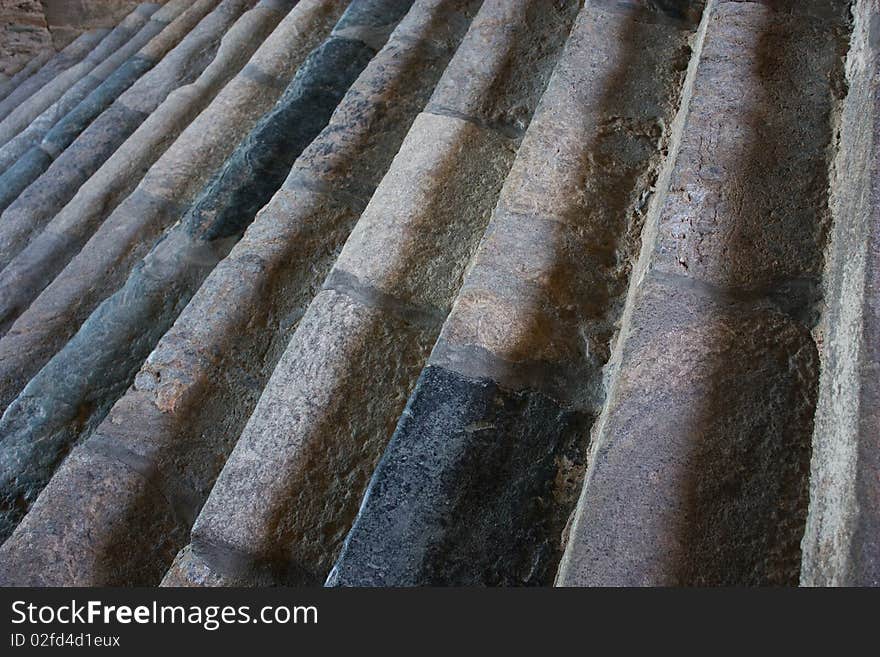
(122, 330)
(137, 221)
(699, 467)
(497, 292)
(842, 541)
(289, 491)
(49, 251)
(21, 117)
(106, 118)
(130, 44)
(9, 84)
(498, 424)
(24, 34)
(30, 27)
(56, 65)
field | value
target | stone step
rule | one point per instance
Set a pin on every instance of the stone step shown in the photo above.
(580, 293)
(45, 178)
(290, 489)
(93, 370)
(37, 129)
(71, 79)
(48, 252)
(126, 234)
(327, 187)
(699, 465)
(73, 53)
(497, 427)
(10, 84)
(841, 546)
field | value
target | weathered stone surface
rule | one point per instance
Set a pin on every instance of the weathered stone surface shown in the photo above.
(287, 494)
(175, 40)
(520, 313)
(38, 128)
(132, 228)
(10, 84)
(467, 448)
(189, 570)
(24, 35)
(698, 476)
(83, 14)
(96, 366)
(21, 117)
(95, 473)
(56, 65)
(179, 415)
(698, 469)
(57, 171)
(56, 23)
(841, 546)
(497, 427)
(37, 264)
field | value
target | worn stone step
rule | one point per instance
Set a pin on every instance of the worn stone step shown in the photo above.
(184, 389)
(21, 117)
(497, 427)
(128, 229)
(630, 340)
(10, 84)
(85, 378)
(77, 145)
(841, 546)
(68, 57)
(285, 498)
(49, 251)
(698, 470)
(37, 129)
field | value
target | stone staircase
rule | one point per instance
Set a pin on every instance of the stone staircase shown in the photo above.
(444, 292)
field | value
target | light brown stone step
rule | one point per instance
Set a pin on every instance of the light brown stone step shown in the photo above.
(841, 546)
(698, 468)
